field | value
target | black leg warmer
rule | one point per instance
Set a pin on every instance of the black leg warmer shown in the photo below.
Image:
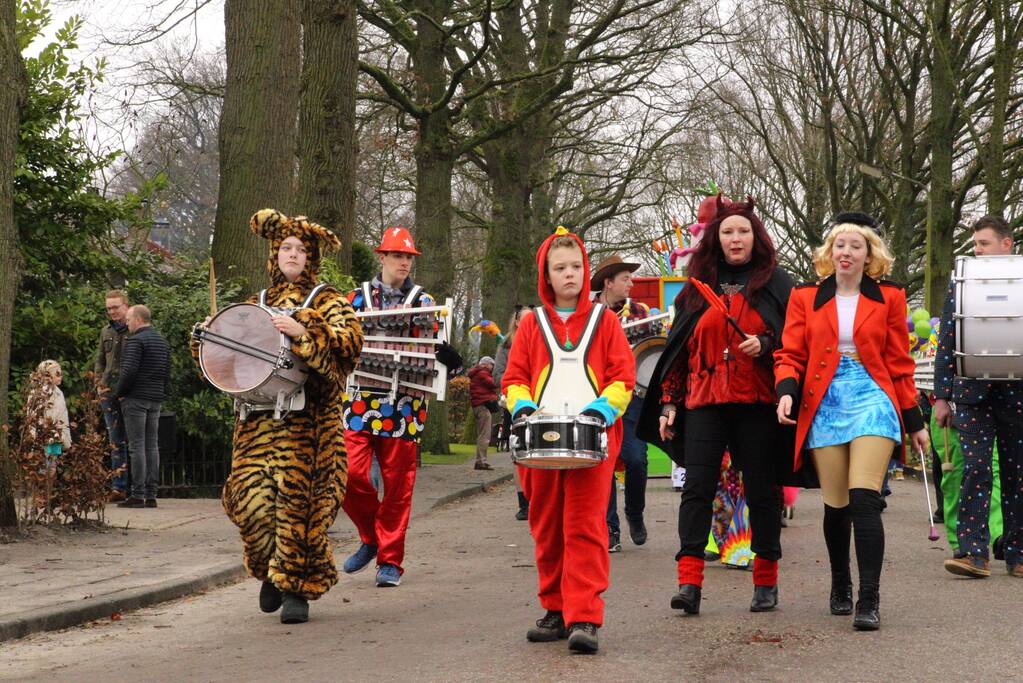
(865, 508)
(837, 534)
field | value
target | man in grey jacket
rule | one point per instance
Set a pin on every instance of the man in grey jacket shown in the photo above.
(107, 368)
(141, 389)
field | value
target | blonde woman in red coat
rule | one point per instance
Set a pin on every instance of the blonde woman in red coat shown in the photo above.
(845, 343)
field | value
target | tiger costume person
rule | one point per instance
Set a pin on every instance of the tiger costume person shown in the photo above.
(288, 475)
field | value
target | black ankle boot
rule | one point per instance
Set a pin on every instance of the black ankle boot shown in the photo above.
(269, 598)
(868, 616)
(688, 598)
(765, 598)
(841, 596)
(296, 609)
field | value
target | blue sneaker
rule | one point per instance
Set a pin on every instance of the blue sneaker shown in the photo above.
(358, 560)
(388, 575)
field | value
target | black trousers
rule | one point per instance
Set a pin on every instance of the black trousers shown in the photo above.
(749, 432)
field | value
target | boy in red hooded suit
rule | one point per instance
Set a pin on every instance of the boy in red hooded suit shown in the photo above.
(568, 507)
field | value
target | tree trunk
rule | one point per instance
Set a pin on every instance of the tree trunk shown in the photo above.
(435, 163)
(13, 90)
(257, 130)
(940, 212)
(996, 185)
(326, 141)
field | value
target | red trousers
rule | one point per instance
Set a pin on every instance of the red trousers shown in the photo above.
(381, 523)
(568, 520)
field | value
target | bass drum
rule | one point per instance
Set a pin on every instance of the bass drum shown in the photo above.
(647, 353)
(242, 354)
(989, 317)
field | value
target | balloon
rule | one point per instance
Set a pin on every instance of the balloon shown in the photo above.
(922, 329)
(935, 322)
(921, 314)
(910, 324)
(913, 339)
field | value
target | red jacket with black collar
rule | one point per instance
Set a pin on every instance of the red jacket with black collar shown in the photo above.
(809, 355)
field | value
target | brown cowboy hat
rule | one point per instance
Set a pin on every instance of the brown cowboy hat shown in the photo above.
(610, 267)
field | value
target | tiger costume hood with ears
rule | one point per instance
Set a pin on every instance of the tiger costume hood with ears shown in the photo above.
(274, 226)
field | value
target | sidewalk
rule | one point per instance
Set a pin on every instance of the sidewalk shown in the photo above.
(59, 578)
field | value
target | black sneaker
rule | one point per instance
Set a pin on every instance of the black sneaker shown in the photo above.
(132, 503)
(549, 627)
(522, 515)
(582, 638)
(614, 541)
(150, 502)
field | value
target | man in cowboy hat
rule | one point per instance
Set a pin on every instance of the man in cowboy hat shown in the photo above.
(612, 281)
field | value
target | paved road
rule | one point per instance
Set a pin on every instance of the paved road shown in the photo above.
(469, 596)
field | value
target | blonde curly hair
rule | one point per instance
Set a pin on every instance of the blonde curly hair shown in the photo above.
(880, 256)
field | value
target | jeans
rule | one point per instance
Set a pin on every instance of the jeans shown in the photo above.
(115, 430)
(633, 455)
(142, 423)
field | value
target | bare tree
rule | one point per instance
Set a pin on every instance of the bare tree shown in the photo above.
(327, 144)
(257, 129)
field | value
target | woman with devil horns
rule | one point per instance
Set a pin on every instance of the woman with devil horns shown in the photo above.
(713, 389)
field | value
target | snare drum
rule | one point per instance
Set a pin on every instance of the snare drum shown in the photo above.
(647, 353)
(558, 442)
(989, 317)
(242, 354)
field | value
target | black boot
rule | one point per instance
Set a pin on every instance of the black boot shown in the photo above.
(269, 598)
(296, 609)
(687, 598)
(868, 531)
(837, 533)
(765, 598)
(523, 513)
(867, 618)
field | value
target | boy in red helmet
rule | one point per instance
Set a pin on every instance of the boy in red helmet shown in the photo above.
(570, 353)
(389, 428)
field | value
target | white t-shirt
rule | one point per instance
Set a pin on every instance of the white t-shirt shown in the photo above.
(846, 320)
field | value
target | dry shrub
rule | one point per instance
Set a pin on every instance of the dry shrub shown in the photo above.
(71, 486)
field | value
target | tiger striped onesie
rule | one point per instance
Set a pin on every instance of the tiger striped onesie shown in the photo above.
(288, 476)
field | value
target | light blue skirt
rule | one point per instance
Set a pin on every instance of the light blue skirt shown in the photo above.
(853, 406)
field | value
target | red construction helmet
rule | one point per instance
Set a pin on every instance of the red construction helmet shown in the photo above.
(399, 239)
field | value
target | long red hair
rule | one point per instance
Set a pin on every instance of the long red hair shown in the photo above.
(705, 260)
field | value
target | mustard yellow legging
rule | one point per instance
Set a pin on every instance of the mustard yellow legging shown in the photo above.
(859, 464)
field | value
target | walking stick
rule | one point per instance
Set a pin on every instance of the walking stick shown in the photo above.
(933, 534)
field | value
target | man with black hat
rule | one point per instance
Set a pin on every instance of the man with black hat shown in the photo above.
(613, 282)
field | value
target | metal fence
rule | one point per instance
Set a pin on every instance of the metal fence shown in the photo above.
(188, 469)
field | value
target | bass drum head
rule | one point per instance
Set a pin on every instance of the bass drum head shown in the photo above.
(647, 353)
(229, 369)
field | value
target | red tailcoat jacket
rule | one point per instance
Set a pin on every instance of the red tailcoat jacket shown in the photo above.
(809, 355)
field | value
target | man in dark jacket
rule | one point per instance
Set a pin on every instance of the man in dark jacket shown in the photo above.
(141, 388)
(107, 368)
(483, 397)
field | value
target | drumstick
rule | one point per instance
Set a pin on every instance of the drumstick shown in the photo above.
(708, 294)
(213, 289)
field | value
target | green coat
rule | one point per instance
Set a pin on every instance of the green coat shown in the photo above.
(108, 360)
